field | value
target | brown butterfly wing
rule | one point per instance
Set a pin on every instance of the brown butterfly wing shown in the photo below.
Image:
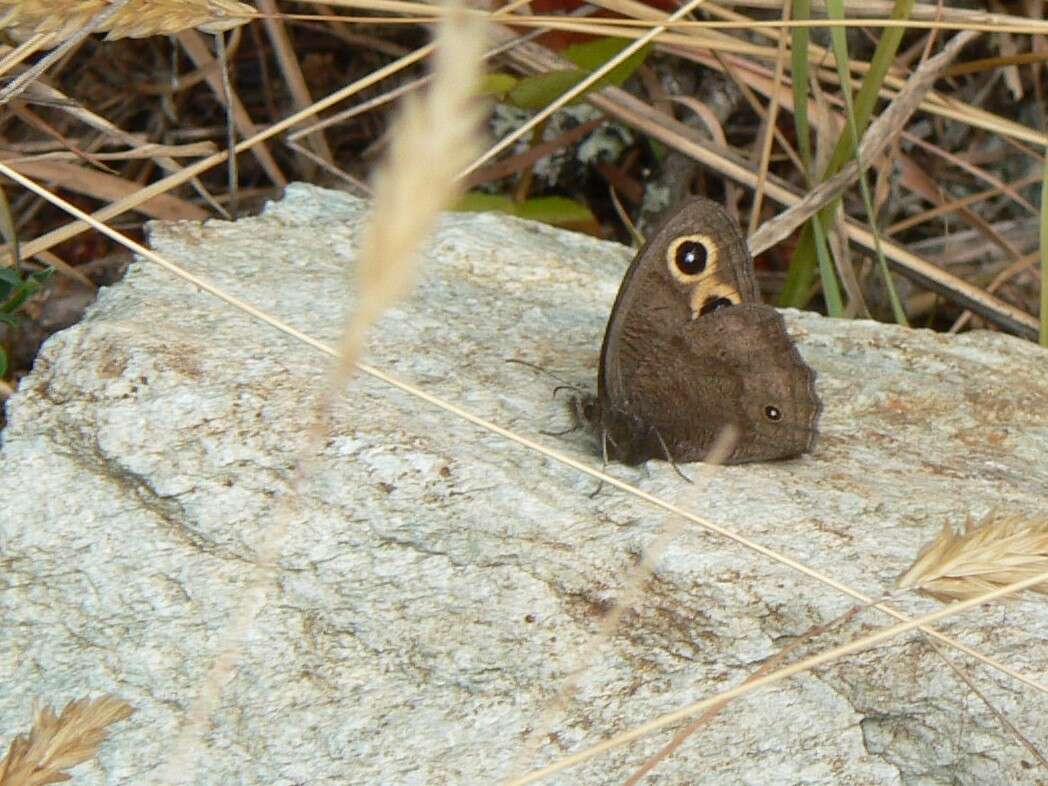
(652, 301)
(738, 367)
(688, 351)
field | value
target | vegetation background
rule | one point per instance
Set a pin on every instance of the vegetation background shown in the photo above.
(887, 160)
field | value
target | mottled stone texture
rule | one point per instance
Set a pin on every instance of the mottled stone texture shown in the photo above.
(439, 582)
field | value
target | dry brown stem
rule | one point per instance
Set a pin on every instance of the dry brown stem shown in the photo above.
(62, 18)
(881, 133)
(432, 142)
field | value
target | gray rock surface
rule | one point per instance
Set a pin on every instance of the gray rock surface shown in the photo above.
(438, 582)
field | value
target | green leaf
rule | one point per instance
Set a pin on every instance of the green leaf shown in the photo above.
(8, 319)
(10, 281)
(541, 90)
(479, 202)
(593, 54)
(496, 84)
(19, 296)
(3, 363)
(16, 295)
(40, 276)
(554, 210)
(10, 276)
(8, 229)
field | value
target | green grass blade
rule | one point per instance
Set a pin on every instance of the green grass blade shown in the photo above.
(800, 275)
(835, 10)
(866, 99)
(799, 72)
(830, 289)
(9, 231)
(801, 272)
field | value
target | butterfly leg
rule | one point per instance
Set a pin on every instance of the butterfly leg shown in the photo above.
(669, 458)
(578, 391)
(579, 415)
(604, 439)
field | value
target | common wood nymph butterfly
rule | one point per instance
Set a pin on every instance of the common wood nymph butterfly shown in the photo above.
(690, 349)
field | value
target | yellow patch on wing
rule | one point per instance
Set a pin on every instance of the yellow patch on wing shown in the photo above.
(711, 295)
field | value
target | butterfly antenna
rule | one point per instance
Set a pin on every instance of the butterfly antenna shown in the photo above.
(560, 433)
(564, 384)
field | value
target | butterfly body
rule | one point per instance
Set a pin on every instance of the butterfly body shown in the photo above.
(689, 350)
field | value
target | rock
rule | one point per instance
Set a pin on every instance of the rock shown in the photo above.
(438, 582)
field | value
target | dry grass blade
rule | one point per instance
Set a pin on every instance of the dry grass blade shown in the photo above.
(999, 550)
(434, 139)
(103, 186)
(196, 47)
(291, 67)
(57, 743)
(668, 130)
(62, 18)
(879, 135)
